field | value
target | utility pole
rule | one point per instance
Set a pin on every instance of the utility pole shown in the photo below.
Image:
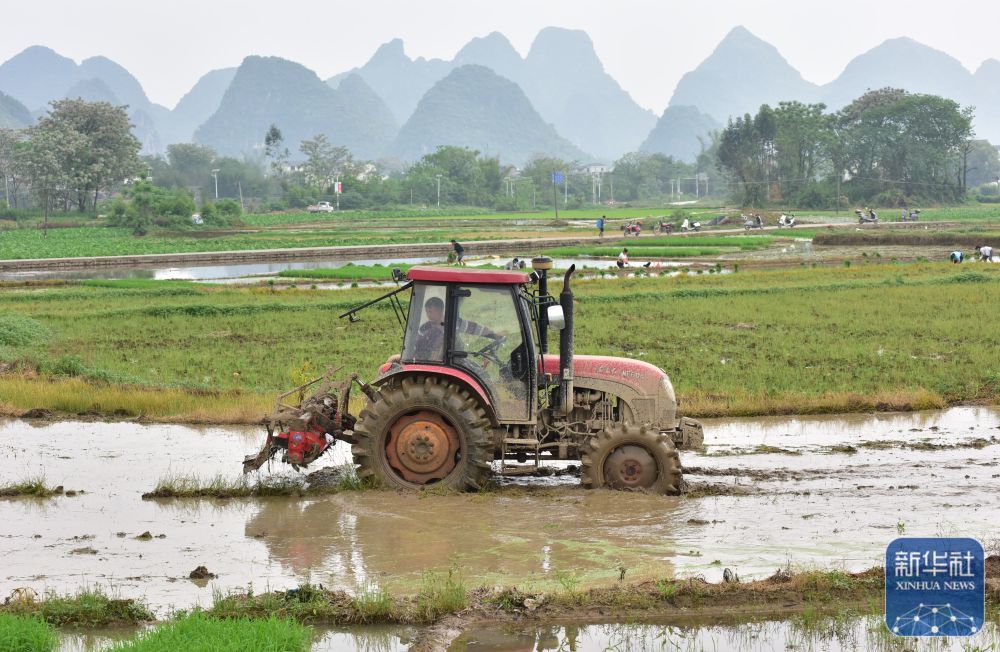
(555, 196)
(438, 176)
(215, 175)
(612, 179)
(240, 185)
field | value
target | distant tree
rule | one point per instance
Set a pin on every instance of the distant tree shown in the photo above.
(275, 151)
(639, 175)
(53, 161)
(107, 153)
(539, 170)
(191, 164)
(982, 163)
(13, 173)
(908, 145)
(325, 162)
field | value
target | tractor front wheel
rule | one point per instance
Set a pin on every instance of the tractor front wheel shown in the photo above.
(631, 457)
(423, 431)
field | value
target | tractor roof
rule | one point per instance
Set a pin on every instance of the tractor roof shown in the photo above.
(466, 275)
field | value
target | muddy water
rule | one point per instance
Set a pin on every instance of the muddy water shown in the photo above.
(829, 634)
(804, 504)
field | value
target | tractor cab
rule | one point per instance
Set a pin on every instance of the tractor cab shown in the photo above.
(475, 327)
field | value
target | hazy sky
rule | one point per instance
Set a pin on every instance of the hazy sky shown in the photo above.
(647, 46)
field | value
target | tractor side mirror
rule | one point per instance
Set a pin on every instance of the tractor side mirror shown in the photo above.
(557, 319)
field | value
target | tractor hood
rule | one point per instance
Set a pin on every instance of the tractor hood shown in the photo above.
(641, 376)
(645, 387)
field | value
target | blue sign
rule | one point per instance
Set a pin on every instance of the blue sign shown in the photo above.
(934, 587)
(558, 178)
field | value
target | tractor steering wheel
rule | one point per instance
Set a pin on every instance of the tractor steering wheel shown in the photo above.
(489, 352)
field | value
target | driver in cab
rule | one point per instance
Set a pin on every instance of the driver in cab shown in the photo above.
(430, 338)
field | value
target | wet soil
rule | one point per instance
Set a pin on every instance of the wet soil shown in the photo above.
(833, 502)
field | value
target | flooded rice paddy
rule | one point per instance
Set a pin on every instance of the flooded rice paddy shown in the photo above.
(767, 492)
(828, 634)
(804, 492)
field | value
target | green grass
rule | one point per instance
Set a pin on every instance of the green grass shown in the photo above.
(670, 246)
(104, 241)
(754, 342)
(637, 251)
(33, 487)
(199, 633)
(190, 486)
(26, 634)
(87, 608)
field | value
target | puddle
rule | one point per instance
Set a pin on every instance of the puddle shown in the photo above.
(817, 508)
(829, 634)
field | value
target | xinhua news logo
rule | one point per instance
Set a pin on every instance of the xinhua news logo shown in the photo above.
(934, 587)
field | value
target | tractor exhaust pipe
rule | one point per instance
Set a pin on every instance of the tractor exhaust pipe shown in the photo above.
(542, 265)
(566, 344)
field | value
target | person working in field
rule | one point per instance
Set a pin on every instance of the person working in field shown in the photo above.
(459, 252)
(985, 253)
(623, 259)
(956, 257)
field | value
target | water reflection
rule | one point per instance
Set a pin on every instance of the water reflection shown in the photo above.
(349, 539)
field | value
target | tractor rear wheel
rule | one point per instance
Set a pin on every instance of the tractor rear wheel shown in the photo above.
(631, 457)
(423, 431)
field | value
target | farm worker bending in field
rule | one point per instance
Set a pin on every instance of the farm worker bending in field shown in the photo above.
(623, 259)
(985, 253)
(957, 257)
(600, 226)
(459, 252)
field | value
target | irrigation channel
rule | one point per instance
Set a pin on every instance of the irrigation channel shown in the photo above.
(767, 493)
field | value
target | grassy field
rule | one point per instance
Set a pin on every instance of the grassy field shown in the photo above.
(97, 241)
(297, 230)
(755, 342)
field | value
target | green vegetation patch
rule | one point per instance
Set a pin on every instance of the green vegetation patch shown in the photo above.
(34, 487)
(639, 251)
(26, 634)
(190, 486)
(198, 632)
(18, 330)
(88, 608)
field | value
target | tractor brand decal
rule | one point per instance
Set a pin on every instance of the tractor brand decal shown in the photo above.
(611, 371)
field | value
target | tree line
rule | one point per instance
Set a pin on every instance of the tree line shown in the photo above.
(888, 148)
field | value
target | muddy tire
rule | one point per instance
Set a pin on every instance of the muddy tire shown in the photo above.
(422, 432)
(633, 458)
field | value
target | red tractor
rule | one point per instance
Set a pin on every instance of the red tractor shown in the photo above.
(474, 391)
